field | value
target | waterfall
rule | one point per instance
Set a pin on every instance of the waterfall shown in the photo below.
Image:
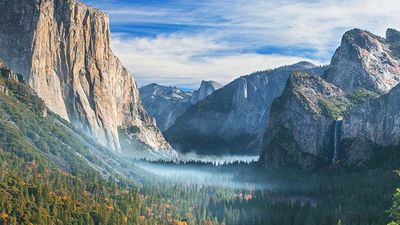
(336, 140)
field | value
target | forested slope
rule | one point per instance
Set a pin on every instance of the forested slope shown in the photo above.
(47, 176)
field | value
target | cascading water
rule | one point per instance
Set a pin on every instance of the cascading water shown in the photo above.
(336, 140)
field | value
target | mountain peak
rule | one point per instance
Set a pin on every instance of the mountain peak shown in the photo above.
(365, 61)
(304, 64)
(362, 39)
(166, 104)
(210, 84)
(168, 92)
(206, 89)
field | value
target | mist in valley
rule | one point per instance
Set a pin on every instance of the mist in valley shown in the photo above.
(231, 172)
(223, 174)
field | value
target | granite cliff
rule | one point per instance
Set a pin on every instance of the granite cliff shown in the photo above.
(343, 118)
(63, 49)
(372, 126)
(300, 128)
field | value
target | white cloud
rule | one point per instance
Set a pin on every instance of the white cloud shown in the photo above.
(185, 61)
(315, 24)
(228, 32)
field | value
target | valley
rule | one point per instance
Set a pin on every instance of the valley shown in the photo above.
(194, 189)
(293, 140)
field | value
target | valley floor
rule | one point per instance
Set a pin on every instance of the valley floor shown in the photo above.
(203, 193)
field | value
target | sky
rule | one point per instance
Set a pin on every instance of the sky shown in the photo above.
(183, 42)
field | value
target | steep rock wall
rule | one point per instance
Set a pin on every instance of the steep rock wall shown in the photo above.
(63, 49)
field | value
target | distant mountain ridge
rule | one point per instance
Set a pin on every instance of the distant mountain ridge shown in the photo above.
(166, 104)
(233, 119)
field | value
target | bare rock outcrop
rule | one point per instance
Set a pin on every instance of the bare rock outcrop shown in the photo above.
(367, 61)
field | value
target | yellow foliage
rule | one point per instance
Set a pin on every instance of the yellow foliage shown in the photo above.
(4, 216)
(65, 197)
(180, 222)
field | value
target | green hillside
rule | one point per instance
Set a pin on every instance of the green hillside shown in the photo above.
(47, 174)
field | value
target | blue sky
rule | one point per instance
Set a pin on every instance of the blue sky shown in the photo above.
(183, 42)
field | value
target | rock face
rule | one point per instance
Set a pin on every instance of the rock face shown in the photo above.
(206, 89)
(63, 48)
(234, 118)
(306, 129)
(299, 133)
(166, 104)
(367, 61)
(371, 125)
